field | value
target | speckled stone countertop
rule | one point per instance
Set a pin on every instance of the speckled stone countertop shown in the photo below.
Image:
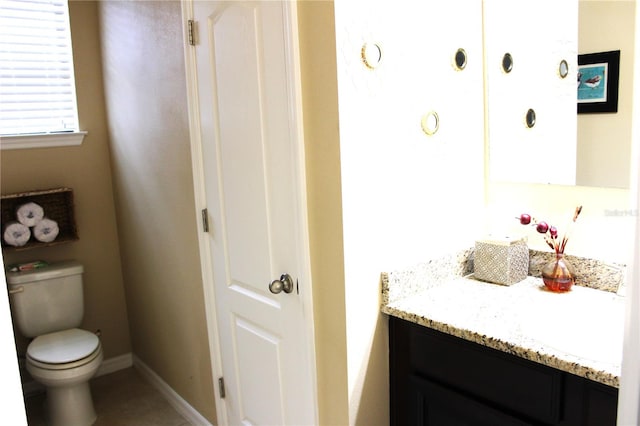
(579, 332)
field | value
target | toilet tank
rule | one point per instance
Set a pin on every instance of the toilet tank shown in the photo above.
(47, 299)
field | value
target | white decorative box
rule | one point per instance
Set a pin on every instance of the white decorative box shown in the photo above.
(502, 261)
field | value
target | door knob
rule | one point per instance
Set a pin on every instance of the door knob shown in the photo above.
(284, 283)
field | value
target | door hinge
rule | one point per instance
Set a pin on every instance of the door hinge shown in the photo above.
(221, 387)
(205, 220)
(191, 29)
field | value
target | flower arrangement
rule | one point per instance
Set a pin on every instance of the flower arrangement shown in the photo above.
(557, 275)
(550, 232)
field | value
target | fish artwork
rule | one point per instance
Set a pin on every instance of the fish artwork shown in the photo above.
(593, 81)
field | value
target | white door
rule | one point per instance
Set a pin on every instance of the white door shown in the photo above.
(253, 173)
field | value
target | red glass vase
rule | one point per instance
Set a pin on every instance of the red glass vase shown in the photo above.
(558, 275)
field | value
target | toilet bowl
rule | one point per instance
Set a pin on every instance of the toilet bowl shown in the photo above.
(64, 361)
(47, 304)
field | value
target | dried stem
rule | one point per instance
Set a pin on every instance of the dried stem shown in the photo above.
(565, 239)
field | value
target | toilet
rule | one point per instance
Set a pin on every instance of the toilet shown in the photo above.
(47, 305)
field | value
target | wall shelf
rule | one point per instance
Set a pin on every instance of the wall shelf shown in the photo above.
(57, 204)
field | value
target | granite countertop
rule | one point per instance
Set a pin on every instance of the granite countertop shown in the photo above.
(580, 331)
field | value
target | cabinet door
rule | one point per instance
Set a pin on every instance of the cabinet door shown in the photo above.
(588, 403)
(516, 385)
(436, 379)
(435, 405)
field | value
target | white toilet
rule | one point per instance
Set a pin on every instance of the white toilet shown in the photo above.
(47, 304)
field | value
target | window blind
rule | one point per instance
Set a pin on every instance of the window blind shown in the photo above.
(37, 87)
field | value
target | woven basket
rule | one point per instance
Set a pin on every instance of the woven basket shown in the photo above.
(57, 204)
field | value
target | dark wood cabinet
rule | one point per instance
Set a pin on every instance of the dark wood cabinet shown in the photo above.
(438, 379)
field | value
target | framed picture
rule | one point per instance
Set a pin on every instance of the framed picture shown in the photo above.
(598, 75)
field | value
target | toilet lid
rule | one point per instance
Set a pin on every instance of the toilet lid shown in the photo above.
(63, 346)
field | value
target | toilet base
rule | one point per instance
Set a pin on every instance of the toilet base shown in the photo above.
(70, 405)
(69, 400)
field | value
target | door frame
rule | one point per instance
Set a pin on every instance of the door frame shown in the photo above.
(197, 164)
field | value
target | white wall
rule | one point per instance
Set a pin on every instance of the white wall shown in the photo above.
(406, 196)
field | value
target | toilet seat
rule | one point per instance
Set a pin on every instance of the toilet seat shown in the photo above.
(63, 350)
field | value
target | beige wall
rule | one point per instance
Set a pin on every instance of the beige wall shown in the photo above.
(322, 150)
(147, 108)
(604, 148)
(144, 75)
(145, 91)
(602, 231)
(86, 170)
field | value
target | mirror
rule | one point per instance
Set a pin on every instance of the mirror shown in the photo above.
(530, 118)
(460, 59)
(430, 123)
(507, 63)
(602, 150)
(563, 69)
(371, 55)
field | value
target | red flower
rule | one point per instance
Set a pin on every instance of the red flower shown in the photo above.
(550, 231)
(542, 227)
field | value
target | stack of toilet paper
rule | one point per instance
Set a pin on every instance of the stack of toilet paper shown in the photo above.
(31, 220)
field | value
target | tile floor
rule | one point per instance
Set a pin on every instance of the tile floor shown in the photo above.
(122, 398)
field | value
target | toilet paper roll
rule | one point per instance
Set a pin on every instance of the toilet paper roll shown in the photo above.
(16, 234)
(30, 214)
(46, 230)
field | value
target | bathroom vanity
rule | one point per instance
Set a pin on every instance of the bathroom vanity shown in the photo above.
(467, 352)
(439, 379)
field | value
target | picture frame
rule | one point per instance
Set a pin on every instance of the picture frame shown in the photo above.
(598, 79)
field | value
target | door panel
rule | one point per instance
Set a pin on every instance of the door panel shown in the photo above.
(256, 382)
(241, 124)
(250, 151)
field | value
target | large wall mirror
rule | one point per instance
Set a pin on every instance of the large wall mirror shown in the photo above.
(564, 147)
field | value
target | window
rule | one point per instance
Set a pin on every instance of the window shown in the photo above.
(37, 87)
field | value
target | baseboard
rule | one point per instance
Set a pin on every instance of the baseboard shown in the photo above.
(176, 401)
(114, 364)
(108, 366)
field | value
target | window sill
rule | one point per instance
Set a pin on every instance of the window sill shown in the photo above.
(45, 140)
